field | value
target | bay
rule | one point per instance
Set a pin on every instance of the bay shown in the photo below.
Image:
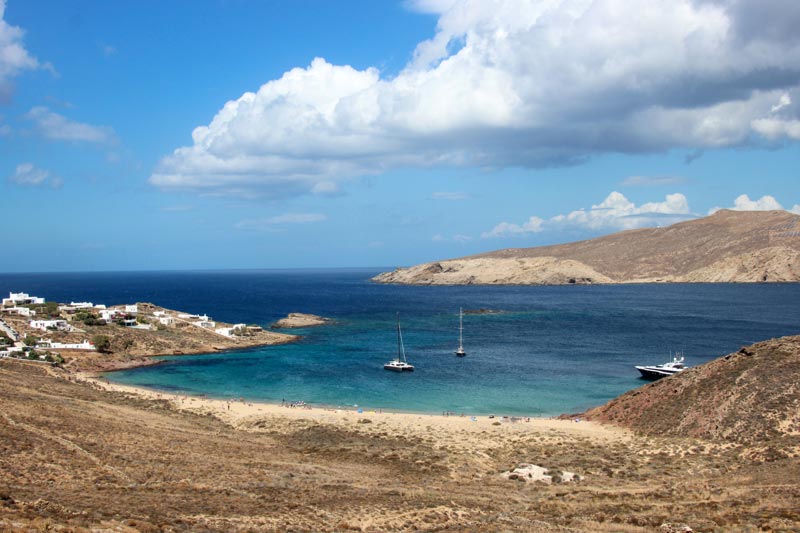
(547, 350)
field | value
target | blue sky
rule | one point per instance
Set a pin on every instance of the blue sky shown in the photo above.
(248, 134)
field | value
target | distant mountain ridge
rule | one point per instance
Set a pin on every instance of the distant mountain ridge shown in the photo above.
(728, 246)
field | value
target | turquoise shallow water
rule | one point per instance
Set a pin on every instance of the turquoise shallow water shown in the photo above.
(552, 349)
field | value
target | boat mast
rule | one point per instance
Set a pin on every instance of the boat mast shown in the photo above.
(460, 329)
(401, 352)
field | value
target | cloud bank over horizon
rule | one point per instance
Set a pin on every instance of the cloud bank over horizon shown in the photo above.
(513, 83)
(617, 213)
(765, 203)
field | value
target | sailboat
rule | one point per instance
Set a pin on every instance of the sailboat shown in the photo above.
(399, 364)
(460, 352)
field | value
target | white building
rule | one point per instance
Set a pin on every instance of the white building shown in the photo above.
(132, 309)
(44, 325)
(109, 315)
(81, 305)
(228, 332)
(85, 345)
(167, 320)
(21, 298)
(21, 311)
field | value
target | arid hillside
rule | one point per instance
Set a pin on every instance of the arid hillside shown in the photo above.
(751, 397)
(78, 458)
(728, 246)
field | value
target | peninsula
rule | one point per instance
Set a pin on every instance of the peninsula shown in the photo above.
(83, 336)
(726, 247)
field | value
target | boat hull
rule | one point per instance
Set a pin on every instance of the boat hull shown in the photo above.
(460, 353)
(393, 368)
(653, 374)
(398, 366)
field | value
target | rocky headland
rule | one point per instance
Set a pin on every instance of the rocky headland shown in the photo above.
(132, 339)
(750, 397)
(726, 247)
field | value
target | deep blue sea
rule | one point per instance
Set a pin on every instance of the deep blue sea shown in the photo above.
(550, 350)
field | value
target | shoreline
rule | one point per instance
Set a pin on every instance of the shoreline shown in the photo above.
(247, 415)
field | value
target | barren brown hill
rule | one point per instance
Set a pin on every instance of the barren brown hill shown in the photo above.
(751, 397)
(76, 458)
(728, 246)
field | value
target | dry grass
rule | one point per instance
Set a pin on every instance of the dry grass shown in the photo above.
(76, 458)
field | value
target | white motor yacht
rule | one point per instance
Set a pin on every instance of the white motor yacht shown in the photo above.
(667, 369)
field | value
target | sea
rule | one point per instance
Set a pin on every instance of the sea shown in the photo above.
(531, 350)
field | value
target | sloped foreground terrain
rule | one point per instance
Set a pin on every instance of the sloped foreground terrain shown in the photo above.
(750, 397)
(77, 458)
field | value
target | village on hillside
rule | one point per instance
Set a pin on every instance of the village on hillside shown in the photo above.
(38, 330)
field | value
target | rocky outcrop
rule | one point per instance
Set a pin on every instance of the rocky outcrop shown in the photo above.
(751, 397)
(300, 320)
(729, 246)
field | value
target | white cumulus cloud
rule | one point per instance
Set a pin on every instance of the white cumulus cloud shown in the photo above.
(784, 101)
(14, 58)
(744, 203)
(281, 220)
(616, 212)
(28, 175)
(512, 83)
(775, 128)
(51, 125)
(652, 181)
(458, 238)
(449, 195)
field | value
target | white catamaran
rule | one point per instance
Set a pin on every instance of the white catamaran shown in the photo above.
(399, 364)
(460, 352)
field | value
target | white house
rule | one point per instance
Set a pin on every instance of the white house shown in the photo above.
(132, 309)
(81, 305)
(21, 298)
(228, 332)
(21, 311)
(166, 320)
(44, 325)
(109, 315)
(85, 345)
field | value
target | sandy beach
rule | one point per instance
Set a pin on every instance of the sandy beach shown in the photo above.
(467, 430)
(85, 454)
